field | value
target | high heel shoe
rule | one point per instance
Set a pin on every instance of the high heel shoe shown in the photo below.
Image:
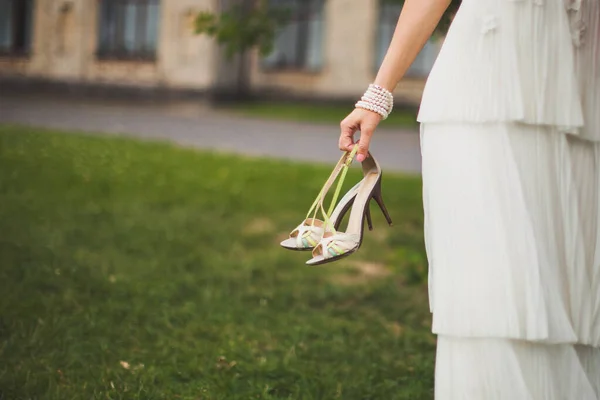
(308, 234)
(335, 245)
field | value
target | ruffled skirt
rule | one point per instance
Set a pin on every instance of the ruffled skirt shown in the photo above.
(512, 227)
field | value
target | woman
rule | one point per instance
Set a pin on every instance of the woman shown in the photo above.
(510, 136)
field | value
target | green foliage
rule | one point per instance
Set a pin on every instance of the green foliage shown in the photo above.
(251, 24)
(143, 271)
(241, 28)
(444, 24)
(446, 20)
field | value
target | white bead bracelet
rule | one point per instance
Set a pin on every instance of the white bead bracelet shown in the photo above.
(377, 99)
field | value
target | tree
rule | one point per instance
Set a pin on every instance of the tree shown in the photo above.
(249, 24)
(444, 24)
(244, 25)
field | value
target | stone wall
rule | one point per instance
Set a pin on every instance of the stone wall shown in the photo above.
(65, 38)
(350, 37)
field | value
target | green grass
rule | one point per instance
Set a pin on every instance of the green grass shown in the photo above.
(144, 271)
(317, 113)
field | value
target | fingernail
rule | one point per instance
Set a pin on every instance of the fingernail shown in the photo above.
(360, 158)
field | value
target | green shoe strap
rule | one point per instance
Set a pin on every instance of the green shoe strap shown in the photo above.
(342, 165)
(338, 189)
(320, 197)
(340, 183)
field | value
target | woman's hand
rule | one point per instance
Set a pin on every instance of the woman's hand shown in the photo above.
(361, 120)
(417, 22)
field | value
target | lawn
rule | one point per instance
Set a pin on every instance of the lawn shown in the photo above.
(145, 271)
(319, 113)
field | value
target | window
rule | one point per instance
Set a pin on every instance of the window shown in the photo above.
(299, 43)
(388, 18)
(15, 26)
(128, 29)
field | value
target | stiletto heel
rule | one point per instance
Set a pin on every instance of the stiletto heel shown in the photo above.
(368, 215)
(379, 200)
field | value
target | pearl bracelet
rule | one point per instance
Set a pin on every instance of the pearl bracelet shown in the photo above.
(372, 107)
(377, 99)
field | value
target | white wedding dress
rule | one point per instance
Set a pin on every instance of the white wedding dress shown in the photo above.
(510, 130)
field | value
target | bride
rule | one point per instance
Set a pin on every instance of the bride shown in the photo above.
(510, 136)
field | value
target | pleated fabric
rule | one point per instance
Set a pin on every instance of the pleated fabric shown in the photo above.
(500, 369)
(530, 61)
(512, 229)
(585, 22)
(510, 136)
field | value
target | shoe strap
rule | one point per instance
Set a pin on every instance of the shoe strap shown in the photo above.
(332, 177)
(342, 166)
(338, 187)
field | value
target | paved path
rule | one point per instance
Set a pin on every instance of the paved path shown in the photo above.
(191, 124)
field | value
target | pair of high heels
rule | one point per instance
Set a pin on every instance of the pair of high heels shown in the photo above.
(322, 235)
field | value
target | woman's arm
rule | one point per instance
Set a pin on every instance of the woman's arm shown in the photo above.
(416, 24)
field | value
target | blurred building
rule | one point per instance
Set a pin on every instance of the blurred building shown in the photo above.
(329, 49)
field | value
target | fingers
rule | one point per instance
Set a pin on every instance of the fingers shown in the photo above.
(348, 127)
(366, 132)
(366, 122)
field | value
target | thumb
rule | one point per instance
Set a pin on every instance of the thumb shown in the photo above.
(363, 144)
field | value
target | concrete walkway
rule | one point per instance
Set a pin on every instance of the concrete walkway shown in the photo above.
(191, 124)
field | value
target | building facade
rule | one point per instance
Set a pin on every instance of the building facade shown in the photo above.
(329, 48)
